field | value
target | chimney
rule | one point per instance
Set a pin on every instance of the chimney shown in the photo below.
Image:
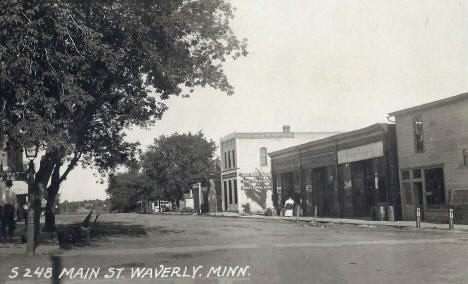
(286, 128)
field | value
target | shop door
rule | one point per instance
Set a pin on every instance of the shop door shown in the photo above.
(434, 187)
(319, 187)
(360, 189)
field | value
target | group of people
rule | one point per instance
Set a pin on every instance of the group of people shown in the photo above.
(8, 205)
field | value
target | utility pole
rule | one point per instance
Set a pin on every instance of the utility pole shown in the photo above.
(30, 244)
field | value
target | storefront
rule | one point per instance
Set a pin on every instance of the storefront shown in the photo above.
(345, 175)
(433, 159)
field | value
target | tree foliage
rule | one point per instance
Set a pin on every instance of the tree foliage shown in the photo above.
(124, 190)
(165, 171)
(75, 74)
(173, 163)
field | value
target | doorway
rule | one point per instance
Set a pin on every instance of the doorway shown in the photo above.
(422, 188)
(360, 189)
(434, 187)
(319, 180)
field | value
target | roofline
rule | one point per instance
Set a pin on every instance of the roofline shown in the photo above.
(376, 126)
(234, 134)
(431, 104)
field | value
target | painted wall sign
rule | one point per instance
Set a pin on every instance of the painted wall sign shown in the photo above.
(256, 181)
(232, 175)
(360, 153)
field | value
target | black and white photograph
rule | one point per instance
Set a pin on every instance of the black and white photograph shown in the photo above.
(233, 141)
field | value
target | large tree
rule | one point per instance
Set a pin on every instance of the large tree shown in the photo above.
(125, 189)
(173, 163)
(75, 74)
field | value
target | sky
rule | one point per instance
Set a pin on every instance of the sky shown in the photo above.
(330, 65)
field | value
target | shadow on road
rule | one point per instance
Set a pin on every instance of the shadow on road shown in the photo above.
(70, 236)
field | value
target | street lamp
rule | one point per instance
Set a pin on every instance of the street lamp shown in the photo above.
(31, 154)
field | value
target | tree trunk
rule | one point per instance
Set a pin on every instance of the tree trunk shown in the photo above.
(49, 225)
(42, 177)
(51, 192)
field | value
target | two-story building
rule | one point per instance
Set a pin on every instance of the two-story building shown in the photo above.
(245, 166)
(432, 142)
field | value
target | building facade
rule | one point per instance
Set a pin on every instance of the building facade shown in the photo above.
(245, 166)
(11, 160)
(433, 158)
(344, 175)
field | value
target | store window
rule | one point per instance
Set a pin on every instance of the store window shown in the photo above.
(263, 157)
(405, 175)
(418, 134)
(230, 192)
(435, 188)
(416, 173)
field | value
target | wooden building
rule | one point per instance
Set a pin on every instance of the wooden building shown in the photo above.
(432, 144)
(344, 175)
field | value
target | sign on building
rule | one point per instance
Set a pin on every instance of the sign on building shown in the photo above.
(360, 153)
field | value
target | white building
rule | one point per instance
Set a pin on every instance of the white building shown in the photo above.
(245, 171)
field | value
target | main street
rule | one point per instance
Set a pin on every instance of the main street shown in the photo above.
(196, 249)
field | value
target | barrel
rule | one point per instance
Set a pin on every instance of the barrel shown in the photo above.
(390, 213)
(380, 213)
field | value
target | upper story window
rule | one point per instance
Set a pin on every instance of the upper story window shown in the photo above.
(263, 157)
(225, 160)
(418, 134)
(233, 158)
(465, 157)
(229, 158)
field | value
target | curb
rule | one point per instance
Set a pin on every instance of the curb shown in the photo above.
(427, 226)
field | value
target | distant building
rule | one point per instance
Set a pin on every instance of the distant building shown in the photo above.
(245, 166)
(433, 158)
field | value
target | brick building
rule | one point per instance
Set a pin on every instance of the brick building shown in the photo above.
(432, 144)
(245, 166)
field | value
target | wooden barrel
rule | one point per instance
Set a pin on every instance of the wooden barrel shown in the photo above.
(380, 213)
(390, 213)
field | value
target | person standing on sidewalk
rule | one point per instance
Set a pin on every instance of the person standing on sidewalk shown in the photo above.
(8, 198)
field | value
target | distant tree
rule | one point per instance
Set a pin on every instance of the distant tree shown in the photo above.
(126, 189)
(177, 161)
(75, 74)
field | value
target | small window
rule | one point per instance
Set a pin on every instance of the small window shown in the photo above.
(405, 175)
(417, 173)
(229, 158)
(465, 157)
(263, 157)
(418, 134)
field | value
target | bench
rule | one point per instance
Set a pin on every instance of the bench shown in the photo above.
(76, 233)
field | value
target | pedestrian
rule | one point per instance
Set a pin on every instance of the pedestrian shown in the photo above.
(25, 216)
(8, 225)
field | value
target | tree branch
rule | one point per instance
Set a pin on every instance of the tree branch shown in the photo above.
(71, 165)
